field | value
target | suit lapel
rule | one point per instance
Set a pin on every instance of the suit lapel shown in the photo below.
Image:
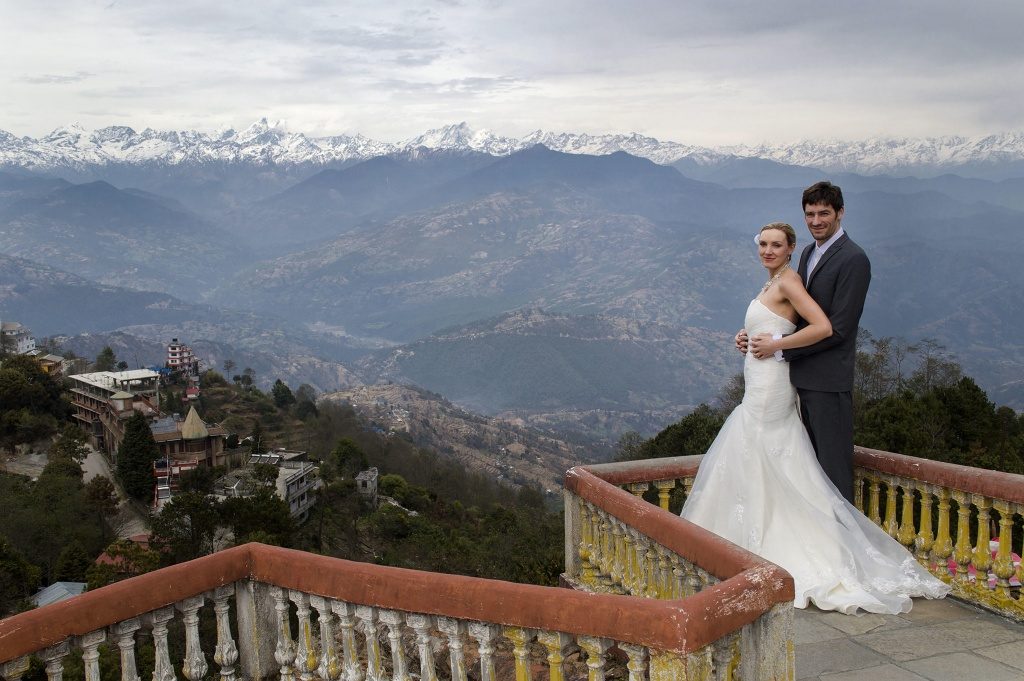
(832, 250)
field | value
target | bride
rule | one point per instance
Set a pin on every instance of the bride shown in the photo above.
(760, 485)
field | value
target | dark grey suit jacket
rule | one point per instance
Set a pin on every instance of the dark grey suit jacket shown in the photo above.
(839, 284)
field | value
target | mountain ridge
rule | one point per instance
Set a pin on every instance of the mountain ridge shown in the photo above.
(266, 143)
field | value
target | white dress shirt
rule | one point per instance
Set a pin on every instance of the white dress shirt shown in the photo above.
(819, 251)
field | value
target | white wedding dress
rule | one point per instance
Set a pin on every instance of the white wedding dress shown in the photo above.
(760, 486)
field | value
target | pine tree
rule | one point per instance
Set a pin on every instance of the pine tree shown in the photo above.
(135, 458)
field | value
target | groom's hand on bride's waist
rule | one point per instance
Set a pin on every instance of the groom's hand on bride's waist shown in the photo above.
(741, 341)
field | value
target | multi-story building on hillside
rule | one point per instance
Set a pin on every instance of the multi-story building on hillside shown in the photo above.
(181, 359)
(105, 400)
(15, 338)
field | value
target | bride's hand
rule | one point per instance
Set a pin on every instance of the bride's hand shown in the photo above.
(763, 346)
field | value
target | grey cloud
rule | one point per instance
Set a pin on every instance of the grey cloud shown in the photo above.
(457, 86)
(57, 79)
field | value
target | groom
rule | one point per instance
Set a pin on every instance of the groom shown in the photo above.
(836, 272)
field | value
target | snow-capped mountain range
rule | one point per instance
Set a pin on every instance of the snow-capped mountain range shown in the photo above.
(74, 147)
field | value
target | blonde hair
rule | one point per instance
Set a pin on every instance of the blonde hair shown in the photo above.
(783, 227)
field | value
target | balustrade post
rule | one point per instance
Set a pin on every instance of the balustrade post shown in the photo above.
(256, 617)
(53, 657)
(558, 645)
(907, 532)
(605, 548)
(393, 620)
(305, 654)
(597, 656)
(634, 557)
(963, 550)
(618, 554)
(1003, 566)
(194, 666)
(638, 488)
(350, 667)
(284, 653)
(485, 635)
(13, 670)
(124, 635)
(575, 536)
(367, 617)
(641, 551)
(874, 490)
(664, 580)
(163, 670)
(90, 644)
(455, 631)
(637, 660)
(925, 539)
(521, 639)
(767, 650)
(943, 547)
(858, 489)
(584, 563)
(891, 492)
(328, 669)
(421, 625)
(225, 654)
(665, 488)
(982, 557)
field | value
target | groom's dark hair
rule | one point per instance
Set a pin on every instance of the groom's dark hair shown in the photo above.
(824, 192)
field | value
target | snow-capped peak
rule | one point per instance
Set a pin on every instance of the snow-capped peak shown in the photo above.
(266, 142)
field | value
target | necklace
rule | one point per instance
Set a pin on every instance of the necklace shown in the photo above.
(775, 278)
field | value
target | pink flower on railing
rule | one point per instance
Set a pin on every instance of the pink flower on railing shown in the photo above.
(972, 573)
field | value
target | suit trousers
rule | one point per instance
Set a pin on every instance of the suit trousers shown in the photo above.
(828, 418)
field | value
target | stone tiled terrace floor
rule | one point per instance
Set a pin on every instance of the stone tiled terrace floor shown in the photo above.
(935, 641)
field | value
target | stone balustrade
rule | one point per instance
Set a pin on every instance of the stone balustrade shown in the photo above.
(919, 497)
(962, 523)
(616, 544)
(283, 614)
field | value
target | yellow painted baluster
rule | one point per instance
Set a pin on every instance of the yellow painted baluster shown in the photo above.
(588, 573)
(858, 489)
(906, 532)
(1003, 565)
(618, 552)
(630, 572)
(890, 506)
(874, 487)
(557, 645)
(665, 488)
(638, 488)
(521, 650)
(982, 557)
(925, 539)
(665, 573)
(943, 546)
(962, 551)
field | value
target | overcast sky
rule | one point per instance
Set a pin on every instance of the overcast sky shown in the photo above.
(709, 73)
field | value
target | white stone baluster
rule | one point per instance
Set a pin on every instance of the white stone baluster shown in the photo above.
(163, 670)
(124, 635)
(393, 620)
(305, 649)
(226, 653)
(421, 625)
(521, 650)
(54, 659)
(328, 670)
(367, 617)
(597, 656)
(90, 644)
(350, 667)
(637, 664)
(13, 670)
(485, 635)
(558, 646)
(455, 631)
(194, 666)
(284, 652)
